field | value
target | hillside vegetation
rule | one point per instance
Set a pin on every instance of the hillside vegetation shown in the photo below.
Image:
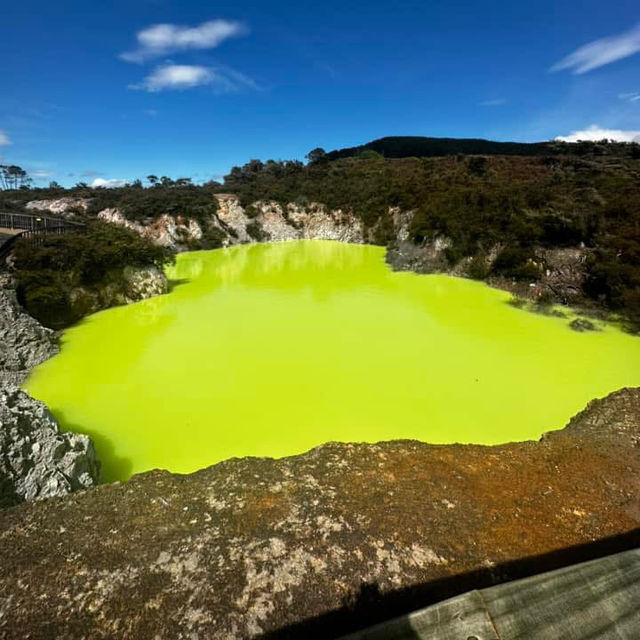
(49, 273)
(551, 195)
(477, 202)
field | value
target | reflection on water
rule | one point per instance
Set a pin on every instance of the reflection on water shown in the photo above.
(272, 349)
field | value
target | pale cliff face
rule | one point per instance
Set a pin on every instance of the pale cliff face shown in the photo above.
(562, 273)
(63, 207)
(294, 223)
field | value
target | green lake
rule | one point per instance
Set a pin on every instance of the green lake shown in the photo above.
(272, 349)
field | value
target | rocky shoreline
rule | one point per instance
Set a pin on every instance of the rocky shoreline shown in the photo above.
(562, 270)
(24, 343)
(38, 461)
(317, 545)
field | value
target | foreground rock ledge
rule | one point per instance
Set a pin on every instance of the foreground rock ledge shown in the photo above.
(318, 544)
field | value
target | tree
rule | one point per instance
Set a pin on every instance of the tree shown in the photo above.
(166, 181)
(316, 156)
(54, 185)
(14, 177)
(153, 179)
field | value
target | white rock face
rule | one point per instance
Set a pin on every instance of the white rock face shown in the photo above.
(313, 222)
(310, 222)
(316, 223)
(36, 460)
(62, 207)
(232, 215)
(165, 231)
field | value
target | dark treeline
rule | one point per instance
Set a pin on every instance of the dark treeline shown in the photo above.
(417, 146)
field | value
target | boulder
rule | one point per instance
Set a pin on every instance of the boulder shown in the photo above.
(36, 460)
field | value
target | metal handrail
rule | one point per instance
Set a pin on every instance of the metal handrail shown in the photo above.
(34, 228)
(29, 221)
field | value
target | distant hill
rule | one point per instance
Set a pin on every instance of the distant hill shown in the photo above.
(417, 146)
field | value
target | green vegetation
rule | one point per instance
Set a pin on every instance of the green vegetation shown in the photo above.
(520, 197)
(173, 197)
(418, 146)
(518, 202)
(138, 203)
(47, 273)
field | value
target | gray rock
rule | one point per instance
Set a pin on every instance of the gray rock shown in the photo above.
(581, 324)
(24, 342)
(36, 460)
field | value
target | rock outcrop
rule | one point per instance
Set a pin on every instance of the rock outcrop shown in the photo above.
(36, 460)
(315, 545)
(24, 342)
(562, 270)
(236, 224)
(62, 207)
(131, 284)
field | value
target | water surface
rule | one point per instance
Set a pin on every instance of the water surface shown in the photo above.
(271, 349)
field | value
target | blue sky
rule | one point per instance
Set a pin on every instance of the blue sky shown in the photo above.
(98, 91)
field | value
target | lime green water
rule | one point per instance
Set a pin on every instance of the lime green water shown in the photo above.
(269, 350)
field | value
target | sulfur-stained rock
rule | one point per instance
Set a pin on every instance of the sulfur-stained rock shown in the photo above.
(318, 544)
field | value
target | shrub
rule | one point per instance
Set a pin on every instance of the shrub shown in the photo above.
(478, 269)
(255, 231)
(48, 273)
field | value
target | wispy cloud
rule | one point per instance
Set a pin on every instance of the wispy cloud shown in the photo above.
(630, 97)
(595, 133)
(41, 174)
(111, 183)
(497, 102)
(178, 77)
(601, 52)
(150, 112)
(90, 174)
(4, 139)
(161, 39)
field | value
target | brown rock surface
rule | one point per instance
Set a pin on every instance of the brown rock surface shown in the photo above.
(317, 544)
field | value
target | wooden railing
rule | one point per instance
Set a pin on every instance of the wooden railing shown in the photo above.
(33, 228)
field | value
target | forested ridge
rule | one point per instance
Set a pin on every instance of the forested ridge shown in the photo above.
(589, 197)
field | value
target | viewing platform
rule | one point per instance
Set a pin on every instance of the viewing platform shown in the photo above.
(14, 225)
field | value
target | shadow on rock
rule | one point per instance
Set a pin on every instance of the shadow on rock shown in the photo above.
(112, 466)
(371, 606)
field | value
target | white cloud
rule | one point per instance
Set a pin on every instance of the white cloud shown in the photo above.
(600, 52)
(182, 76)
(161, 39)
(498, 102)
(108, 184)
(176, 76)
(4, 139)
(595, 133)
(41, 174)
(629, 97)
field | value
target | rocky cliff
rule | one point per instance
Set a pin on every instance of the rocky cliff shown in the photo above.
(24, 342)
(125, 286)
(315, 545)
(36, 460)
